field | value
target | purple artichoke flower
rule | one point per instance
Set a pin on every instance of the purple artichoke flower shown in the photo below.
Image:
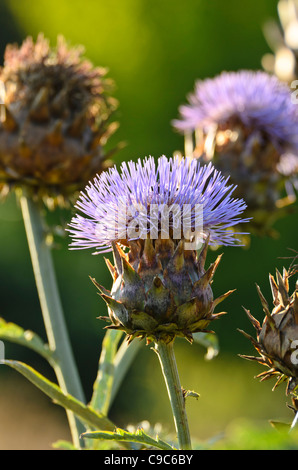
(245, 122)
(258, 100)
(160, 287)
(173, 184)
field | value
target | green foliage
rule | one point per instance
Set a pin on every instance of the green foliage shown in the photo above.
(155, 51)
(112, 359)
(64, 445)
(138, 436)
(85, 413)
(11, 332)
(245, 435)
(208, 341)
(102, 388)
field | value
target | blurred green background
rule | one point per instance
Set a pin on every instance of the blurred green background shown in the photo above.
(154, 50)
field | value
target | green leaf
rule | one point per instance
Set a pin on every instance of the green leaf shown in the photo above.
(208, 341)
(16, 334)
(138, 436)
(85, 413)
(245, 434)
(279, 426)
(191, 393)
(64, 445)
(102, 388)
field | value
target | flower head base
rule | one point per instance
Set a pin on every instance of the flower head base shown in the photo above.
(245, 121)
(160, 287)
(277, 338)
(54, 119)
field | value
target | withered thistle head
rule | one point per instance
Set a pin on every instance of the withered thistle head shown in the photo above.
(244, 122)
(277, 337)
(54, 118)
(151, 217)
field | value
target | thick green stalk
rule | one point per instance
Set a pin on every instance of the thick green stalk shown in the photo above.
(168, 364)
(58, 339)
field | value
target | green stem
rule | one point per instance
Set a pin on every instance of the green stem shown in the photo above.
(65, 369)
(102, 388)
(168, 364)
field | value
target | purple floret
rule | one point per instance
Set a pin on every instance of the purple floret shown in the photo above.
(143, 184)
(260, 101)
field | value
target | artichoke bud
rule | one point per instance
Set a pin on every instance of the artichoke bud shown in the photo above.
(160, 290)
(277, 337)
(55, 119)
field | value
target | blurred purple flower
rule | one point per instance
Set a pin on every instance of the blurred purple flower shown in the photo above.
(144, 184)
(260, 101)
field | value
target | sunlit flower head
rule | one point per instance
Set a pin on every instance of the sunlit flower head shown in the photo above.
(256, 99)
(55, 119)
(177, 185)
(276, 341)
(161, 288)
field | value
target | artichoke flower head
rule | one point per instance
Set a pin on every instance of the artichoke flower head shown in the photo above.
(161, 288)
(245, 122)
(55, 116)
(277, 336)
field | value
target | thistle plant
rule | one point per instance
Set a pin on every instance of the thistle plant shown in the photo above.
(55, 116)
(154, 220)
(244, 122)
(277, 336)
(158, 221)
(55, 120)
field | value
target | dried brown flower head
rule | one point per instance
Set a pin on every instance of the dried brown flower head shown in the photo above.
(55, 116)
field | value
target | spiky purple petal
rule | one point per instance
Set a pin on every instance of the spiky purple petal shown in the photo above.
(143, 184)
(259, 100)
